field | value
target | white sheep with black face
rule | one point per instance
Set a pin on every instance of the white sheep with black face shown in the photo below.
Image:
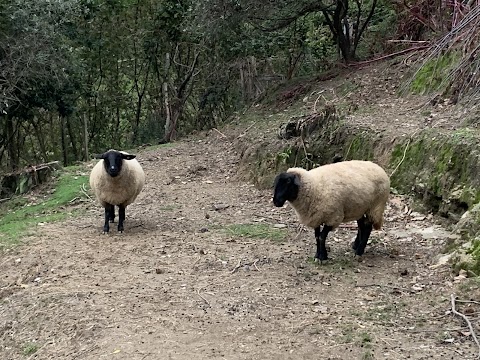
(334, 194)
(116, 180)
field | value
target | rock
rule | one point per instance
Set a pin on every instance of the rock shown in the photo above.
(469, 223)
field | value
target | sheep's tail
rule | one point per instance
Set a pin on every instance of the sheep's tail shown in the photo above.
(375, 215)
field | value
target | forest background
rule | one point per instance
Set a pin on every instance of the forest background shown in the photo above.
(82, 76)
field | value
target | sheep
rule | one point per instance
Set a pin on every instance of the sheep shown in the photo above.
(333, 194)
(116, 179)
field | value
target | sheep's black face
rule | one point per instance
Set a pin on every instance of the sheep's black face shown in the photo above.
(285, 188)
(113, 161)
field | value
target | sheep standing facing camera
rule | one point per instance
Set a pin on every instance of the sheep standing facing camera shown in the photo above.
(334, 194)
(116, 179)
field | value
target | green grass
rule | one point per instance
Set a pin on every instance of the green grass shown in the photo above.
(30, 349)
(170, 207)
(256, 231)
(431, 76)
(18, 217)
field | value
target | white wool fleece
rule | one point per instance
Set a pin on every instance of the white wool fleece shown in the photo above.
(341, 192)
(120, 190)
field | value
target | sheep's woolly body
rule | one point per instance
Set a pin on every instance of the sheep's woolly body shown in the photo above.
(120, 190)
(337, 193)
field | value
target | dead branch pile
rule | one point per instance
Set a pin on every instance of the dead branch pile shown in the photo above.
(462, 43)
(305, 125)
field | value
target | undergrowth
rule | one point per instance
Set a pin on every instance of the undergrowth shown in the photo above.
(20, 216)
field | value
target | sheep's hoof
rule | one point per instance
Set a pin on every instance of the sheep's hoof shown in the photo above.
(359, 251)
(321, 258)
(318, 261)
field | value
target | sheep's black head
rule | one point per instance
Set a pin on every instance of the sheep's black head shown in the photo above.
(113, 160)
(285, 188)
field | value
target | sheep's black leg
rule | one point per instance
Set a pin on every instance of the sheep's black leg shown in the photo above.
(364, 229)
(112, 214)
(321, 236)
(357, 239)
(121, 217)
(108, 210)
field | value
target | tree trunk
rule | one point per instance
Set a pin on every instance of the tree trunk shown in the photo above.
(64, 148)
(40, 139)
(168, 119)
(11, 144)
(72, 138)
(85, 136)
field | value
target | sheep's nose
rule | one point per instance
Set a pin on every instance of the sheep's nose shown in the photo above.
(112, 167)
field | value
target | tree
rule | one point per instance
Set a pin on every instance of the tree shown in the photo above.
(34, 64)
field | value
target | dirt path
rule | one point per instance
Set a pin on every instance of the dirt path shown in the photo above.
(178, 285)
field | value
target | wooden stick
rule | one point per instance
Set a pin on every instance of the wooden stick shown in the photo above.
(221, 134)
(206, 301)
(237, 267)
(452, 297)
(246, 130)
(388, 287)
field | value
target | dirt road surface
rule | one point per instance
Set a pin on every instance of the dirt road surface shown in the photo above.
(183, 283)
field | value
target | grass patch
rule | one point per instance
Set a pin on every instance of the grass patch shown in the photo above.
(30, 349)
(367, 355)
(18, 215)
(431, 76)
(365, 339)
(257, 231)
(348, 333)
(170, 207)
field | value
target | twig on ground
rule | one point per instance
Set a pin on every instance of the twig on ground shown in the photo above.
(221, 134)
(403, 158)
(472, 331)
(434, 330)
(268, 217)
(468, 301)
(300, 230)
(206, 301)
(196, 261)
(6, 199)
(388, 287)
(255, 264)
(318, 98)
(84, 191)
(237, 267)
(389, 344)
(246, 130)
(388, 56)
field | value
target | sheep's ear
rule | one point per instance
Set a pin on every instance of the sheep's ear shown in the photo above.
(128, 156)
(100, 156)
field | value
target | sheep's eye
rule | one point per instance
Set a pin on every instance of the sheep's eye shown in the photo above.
(289, 181)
